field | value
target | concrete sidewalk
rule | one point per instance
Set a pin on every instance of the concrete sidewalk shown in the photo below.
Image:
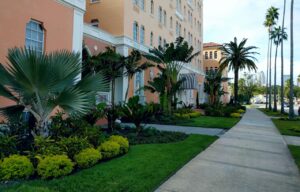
(251, 157)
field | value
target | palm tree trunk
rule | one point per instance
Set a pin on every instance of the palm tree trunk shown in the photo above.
(127, 90)
(282, 72)
(112, 123)
(270, 77)
(291, 110)
(267, 85)
(236, 84)
(275, 85)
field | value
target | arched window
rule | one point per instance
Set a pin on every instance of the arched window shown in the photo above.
(34, 36)
(142, 4)
(210, 55)
(171, 22)
(184, 33)
(95, 23)
(206, 56)
(135, 31)
(165, 18)
(151, 38)
(160, 14)
(215, 54)
(142, 35)
(165, 42)
(159, 41)
(152, 7)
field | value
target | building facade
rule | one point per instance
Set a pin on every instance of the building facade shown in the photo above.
(49, 25)
(44, 26)
(142, 25)
(212, 56)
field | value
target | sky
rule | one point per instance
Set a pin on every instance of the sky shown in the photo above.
(226, 19)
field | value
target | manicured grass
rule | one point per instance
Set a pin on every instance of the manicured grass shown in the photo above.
(287, 127)
(272, 113)
(144, 168)
(295, 150)
(211, 122)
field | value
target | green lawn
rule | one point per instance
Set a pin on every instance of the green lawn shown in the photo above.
(272, 113)
(211, 122)
(144, 168)
(287, 127)
(295, 150)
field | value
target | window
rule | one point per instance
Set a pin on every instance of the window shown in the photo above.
(206, 55)
(135, 31)
(151, 38)
(160, 15)
(142, 37)
(159, 41)
(177, 28)
(138, 83)
(171, 22)
(184, 33)
(178, 5)
(165, 18)
(216, 55)
(142, 4)
(95, 23)
(216, 69)
(210, 55)
(95, 1)
(165, 42)
(152, 7)
(136, 2)
(34, 36)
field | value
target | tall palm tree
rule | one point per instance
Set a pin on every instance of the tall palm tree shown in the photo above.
(42, 83)
(236, 56)
(271, 18)
(282, 63)
(170, 59)
(291, 110)
(277, 35)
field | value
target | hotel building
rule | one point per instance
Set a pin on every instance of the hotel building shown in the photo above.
(48, 25)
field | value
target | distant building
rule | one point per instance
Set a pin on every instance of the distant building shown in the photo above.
(212, 56)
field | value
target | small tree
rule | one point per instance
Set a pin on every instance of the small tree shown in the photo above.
(43, 83)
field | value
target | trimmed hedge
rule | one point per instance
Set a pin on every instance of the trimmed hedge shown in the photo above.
(87, 158)
(122, 141)
(109, 149)
(235, 115)
(16, 167)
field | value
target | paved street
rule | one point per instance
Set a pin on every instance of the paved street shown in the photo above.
(251, 157)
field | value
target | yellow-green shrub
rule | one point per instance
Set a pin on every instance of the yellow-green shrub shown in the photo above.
(122, 141)
(182, 116)
(194, 114)
(87, 158)
(235, 115)
(16, 167)
(109, 149)
(240, 111)
(54, 166)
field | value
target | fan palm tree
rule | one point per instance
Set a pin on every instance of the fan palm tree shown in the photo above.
(291, 109)
(271, 18)
(43, 83)
(133, 66)
(278, 35)
(170, 59)
(282, 63)
(213, 86)
(236, 57)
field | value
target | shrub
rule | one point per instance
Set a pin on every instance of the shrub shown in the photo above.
(47, 146)
(235, 115)
(109, 149)
(94, 135)
(240, 111)
(87, 158)
(194, 114)
(73, 145)
(182, 116)
(54, 166)
(203, 105)
(122, 141)
(210, 111)
(8, 146)
(16, 167)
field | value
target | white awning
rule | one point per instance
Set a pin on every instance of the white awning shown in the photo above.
(190, 81)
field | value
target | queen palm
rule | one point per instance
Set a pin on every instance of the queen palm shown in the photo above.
(282, 63)
(291, 109)
(43, 83)
(278, 35)
(237, 57)
(271, 18)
